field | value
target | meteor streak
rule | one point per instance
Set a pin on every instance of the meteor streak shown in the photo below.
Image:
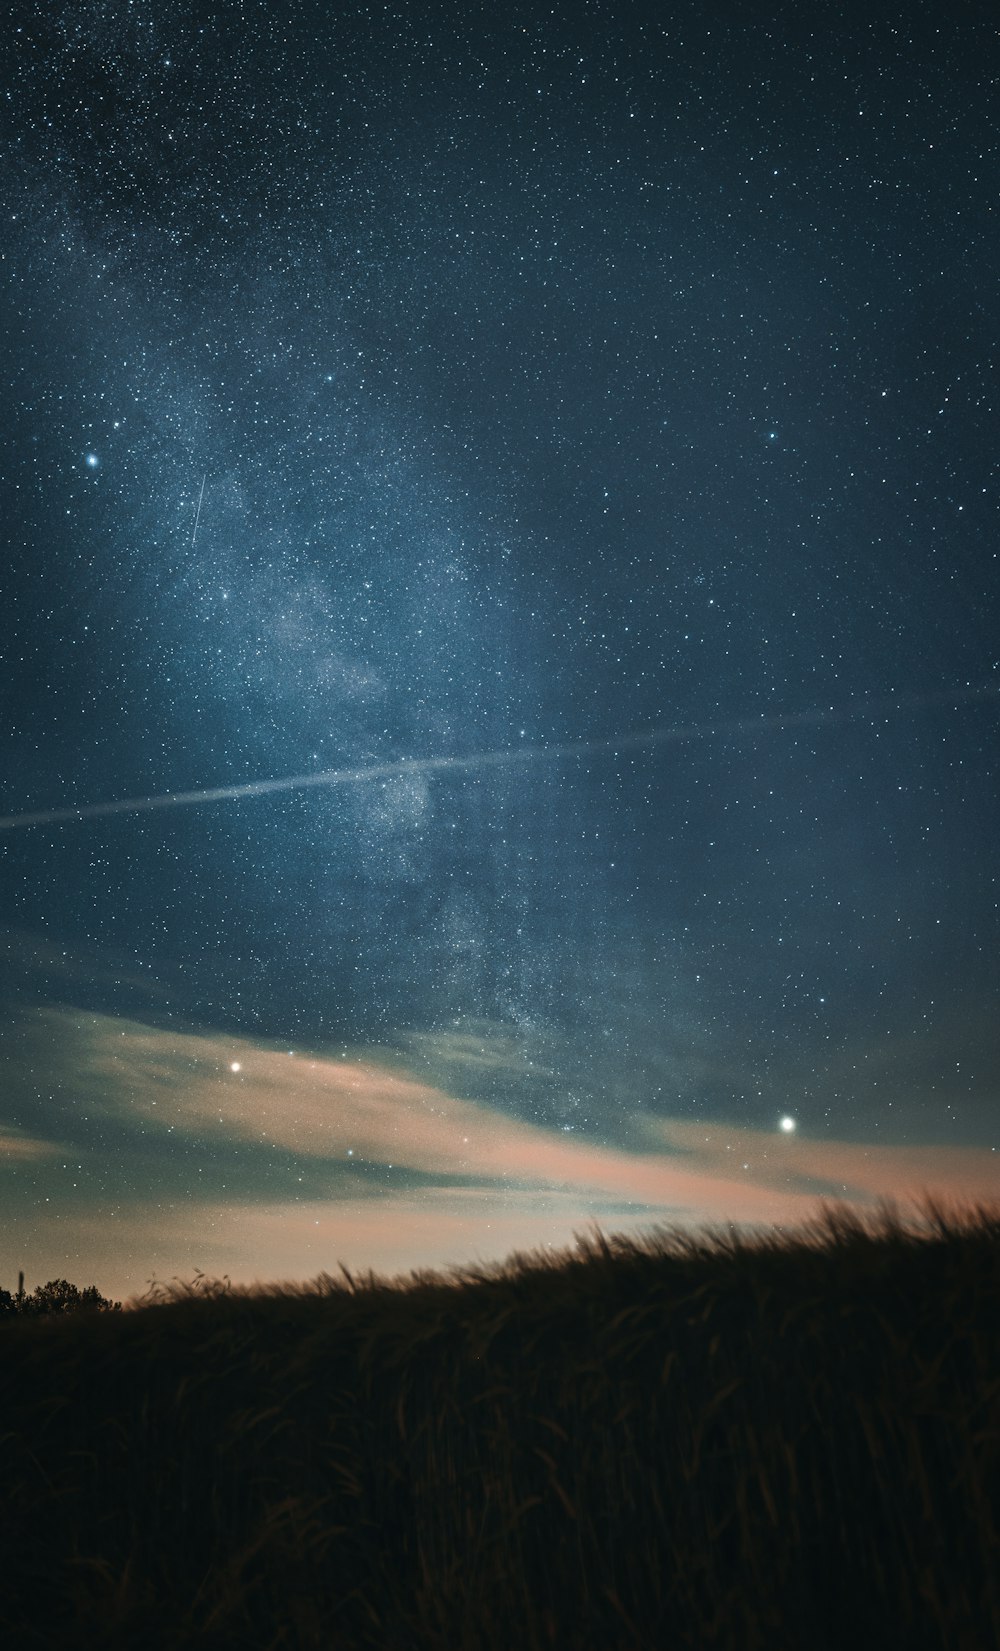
(197, 514)
(678, 733)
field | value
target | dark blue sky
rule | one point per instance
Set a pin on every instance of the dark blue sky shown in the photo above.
(403, 382)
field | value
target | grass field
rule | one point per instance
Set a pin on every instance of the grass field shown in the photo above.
(682, 1442)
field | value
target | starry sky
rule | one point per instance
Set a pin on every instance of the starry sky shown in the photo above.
(555, 444)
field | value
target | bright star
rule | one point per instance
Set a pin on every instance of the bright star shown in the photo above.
(234, 1066)
(92, 461)
(787, 1124)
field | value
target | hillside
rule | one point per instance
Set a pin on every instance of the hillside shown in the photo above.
(686, 1442)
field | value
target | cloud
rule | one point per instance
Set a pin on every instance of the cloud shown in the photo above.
(482, 1046)
(17, 1148)
(31, 955)
(363, 1111)
(493, 1182)
(850, 1169)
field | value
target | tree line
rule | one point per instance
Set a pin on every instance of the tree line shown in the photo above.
(57, 1296)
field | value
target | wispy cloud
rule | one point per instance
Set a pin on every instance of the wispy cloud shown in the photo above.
(18, 1148)
(848, 1168)
(363, 1111)
(32, 956)
(492, 1182)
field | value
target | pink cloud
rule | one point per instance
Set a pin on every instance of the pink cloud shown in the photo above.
(963, 1174)
(345, 1109)
(23, 1148)
(540, 1185)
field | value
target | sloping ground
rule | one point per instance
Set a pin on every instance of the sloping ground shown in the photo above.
(695, 1444)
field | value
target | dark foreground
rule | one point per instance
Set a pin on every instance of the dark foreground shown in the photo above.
(700, 1444)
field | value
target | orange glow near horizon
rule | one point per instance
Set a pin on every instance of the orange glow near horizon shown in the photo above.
(525, 1186)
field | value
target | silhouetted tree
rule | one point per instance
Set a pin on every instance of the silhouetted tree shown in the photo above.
(58, 1296)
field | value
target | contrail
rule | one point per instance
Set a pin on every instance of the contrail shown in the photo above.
(197, 514)
(679, 733)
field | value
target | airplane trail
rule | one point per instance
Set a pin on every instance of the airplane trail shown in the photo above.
(734, 728)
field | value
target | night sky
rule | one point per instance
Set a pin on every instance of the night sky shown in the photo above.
(570, 431)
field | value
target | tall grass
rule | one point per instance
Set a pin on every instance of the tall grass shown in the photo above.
(789, 1441)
